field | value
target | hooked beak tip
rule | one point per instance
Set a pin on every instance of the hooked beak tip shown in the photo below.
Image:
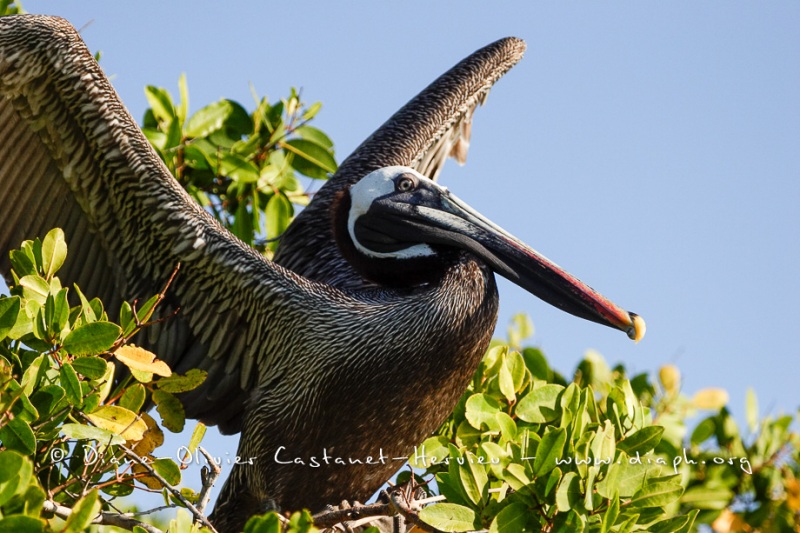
(637, 329)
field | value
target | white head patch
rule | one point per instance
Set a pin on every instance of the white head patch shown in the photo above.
(374, 185)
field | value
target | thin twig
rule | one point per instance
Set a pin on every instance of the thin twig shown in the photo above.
(404, 507)
(208, 476)
(335, 516)
(200, 517)
(125, 521)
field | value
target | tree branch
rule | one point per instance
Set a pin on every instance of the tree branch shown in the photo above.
(332, 517)
(199, 516)
(124, 521)
(408, 510)
(208, 476)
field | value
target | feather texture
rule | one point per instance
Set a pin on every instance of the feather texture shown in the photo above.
(286, 347)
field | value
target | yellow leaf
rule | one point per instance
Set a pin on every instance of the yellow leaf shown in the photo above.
(670, 378)
(728, 522)
(711, 398)
(137, 358)
(152, 439)
(120, 421)
(792, 494)
(106, 382)
(148, 481)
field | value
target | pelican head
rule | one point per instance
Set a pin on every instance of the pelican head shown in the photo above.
(403, 228)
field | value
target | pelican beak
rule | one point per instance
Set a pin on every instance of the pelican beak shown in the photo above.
(435, 216)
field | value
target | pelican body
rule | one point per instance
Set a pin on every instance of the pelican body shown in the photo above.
(338, 357)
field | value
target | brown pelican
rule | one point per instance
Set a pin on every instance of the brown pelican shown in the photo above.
(354, 344)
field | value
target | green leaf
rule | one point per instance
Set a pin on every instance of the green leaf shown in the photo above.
(540, 405)
(106, 382)
(568, 494)
(69, 380)
(32, 374)
(675, 524)
(92, 339)
(182, 383)
(516, 367)
(516, 477)
(168, 469)
(658, 492)
(508, 427)
(310, 133)
(505, 382)
(243, 223)
(34, 501)
(473, 478)
(22, 524)
(603, 445)
(22, 262)
(209, 119)
(171, 410)
(120, 490)
(84, 432)
(611, 515)
(54, 251)
(708, 498)
(569, 522)
(642, 441)
(238, 168)
(630, 476)
(433, 450)
(23, 408)
(183, 91)
(550, 449)
(703, 431)
(14, 469)
(480, 412)
(23, 324)
(268, 523)
(90, 366)
(83, 512)
(9, 311)
(160, 102)
(57, 312)
(46, 399)
(450, 517)
(17, 435)
(514, 518)
(310, 158)
(278, 215)
(197, 436)
(520, 327)
(34, 287)
(133, 397)
(751, 409)
(145, 311)
(312, 111)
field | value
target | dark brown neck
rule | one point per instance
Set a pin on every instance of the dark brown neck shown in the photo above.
(388, 272)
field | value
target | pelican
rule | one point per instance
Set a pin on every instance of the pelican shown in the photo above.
(379, 304)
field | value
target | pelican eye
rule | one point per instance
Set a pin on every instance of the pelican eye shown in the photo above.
(405, 184)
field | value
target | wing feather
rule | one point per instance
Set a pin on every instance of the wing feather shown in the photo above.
(72, 156)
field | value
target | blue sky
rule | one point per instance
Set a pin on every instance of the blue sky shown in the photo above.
(652, 149)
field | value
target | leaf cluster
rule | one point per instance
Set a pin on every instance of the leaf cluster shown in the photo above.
(525, 450)
(243, 167)
(73, 433)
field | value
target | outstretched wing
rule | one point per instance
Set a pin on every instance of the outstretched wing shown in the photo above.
(433, 125)
(71, 156)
